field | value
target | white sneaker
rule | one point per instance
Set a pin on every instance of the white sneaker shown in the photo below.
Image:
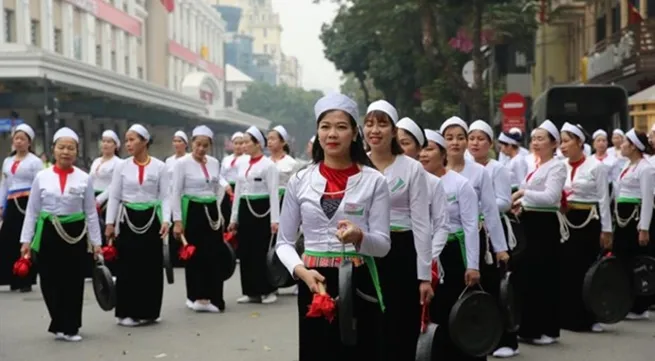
(597, 328)
(189, 304)
(505, 352)
(544, 340)
(247, 299)
(128, 322)
(637, 316)
(73, 338)
(268, 299)
(204, 307)
(59, 336)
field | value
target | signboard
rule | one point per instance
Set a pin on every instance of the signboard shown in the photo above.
(7, 124)
(512, 107)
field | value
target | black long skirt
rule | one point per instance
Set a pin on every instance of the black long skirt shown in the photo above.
(508, 339)
(537, 275)
(202, 271)
(254, 239)
(626, 247)
(10, 246)
(320, 340)
(576, 256)
(454, 266)
(139, 275)
(102, 214)
(62, 267)
(400, 286)
(226, 205)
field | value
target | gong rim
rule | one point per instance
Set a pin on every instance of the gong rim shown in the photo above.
(644, 286)
(346, 303)
(425, 342)
(104, 288)
(467, 318)
(232, 266)
(510, 307)
(606, 290)
(168, 264)
(278, 275)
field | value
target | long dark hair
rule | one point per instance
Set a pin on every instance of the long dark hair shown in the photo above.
(377, 114)
(357, 152)
(643, 138)
(285, 147)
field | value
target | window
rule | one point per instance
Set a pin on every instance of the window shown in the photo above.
(9, 25)
(265, 48)
(640, 122)
(229, 99)
(98, 55)
(77, 47)
(616, 19)
(139, 72)
(127, 65)
(35, 36)
(58, 46)
(600, 29)
(114, 61)
(265, 31)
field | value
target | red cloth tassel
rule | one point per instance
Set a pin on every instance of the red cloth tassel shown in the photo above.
(22, 267)
(109, 253)
(322, 305)
(187, 251)
(229, 237)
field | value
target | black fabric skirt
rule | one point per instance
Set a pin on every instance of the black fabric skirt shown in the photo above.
(226, 206)
(254, 239)
(62, 267)
(400, 287)
(320, 340)
(102, 214)
(454, 266)
(626, 247)
(10, 246)
(576, 256)
(202, 271)
(538, 275)
(508, 339)
(139, 265)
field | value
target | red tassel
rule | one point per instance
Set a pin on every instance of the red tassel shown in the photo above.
(109, 253)
(187, 251)
(229, 237)
(435, 275)
(22, 267)
(322, 306)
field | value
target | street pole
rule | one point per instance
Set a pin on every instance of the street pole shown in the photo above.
(46, 115)
(490, 76)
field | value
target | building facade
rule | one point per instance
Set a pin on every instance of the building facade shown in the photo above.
(290, 73)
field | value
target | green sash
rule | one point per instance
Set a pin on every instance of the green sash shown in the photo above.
(138, 206)
(45, 216)
(628, 200)
(458, 236)
(186, 199)
(370, 262)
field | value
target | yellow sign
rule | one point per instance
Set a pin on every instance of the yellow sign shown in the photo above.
(584, 65)
(204, 52)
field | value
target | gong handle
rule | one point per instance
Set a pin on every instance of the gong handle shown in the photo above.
(183, 239)
(321, 288)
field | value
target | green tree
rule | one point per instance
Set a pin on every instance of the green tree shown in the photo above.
(291, 107)
(362, 94)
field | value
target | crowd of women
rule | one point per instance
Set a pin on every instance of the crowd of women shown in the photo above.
(417, 202)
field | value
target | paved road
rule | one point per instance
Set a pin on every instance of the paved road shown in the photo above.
(243, 333)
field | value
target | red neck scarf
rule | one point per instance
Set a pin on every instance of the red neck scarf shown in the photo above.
(142, 168)
(203, 166)
(63, 176)
(337, 179)
(625, 171)
(575, 165)
(253, 161)
(234, 160)
(14, 166)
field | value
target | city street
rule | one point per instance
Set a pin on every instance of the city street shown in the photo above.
(243, 333)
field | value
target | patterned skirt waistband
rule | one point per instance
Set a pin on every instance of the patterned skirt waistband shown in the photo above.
(334, 262)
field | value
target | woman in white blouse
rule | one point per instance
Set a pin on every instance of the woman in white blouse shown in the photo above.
(18, 172)
(538, 202)
(195, 200)
(618, 137)
(510, 146)
(589, 225)
(180, 145)
(230, 171)
(634, 210)
(138, 214)
(255, 215)
(611, 163)
(405, 273)
(342, 205)
(459, 254)
(61, 226)
(277, 141)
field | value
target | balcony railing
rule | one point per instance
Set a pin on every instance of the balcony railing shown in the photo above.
(562, 4)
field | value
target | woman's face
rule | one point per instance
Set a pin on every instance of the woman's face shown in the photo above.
(21, 141)
(179, 145)
(107, 146)
(250, 147)
(506, 149)
(543, 145)
(336, 134)
(65, 152)
(617, 140)
(431, 157)
(134, 143)
(200, 146)
(600, 144)
(274, 141)
(408, 143)
(571, 146)
(479, 144)
(455, 141)
(627, 148)
(378, 132)
(237, 145)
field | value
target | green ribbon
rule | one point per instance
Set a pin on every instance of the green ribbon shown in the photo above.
(458, 236)
(370, 262)
(144, 206)
(541, 209)
(281, 191)
(45, 216)
(628, 200)
(186, 199)
(399, 228)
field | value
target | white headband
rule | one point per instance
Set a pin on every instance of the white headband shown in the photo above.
(236, 135)
(532, 133)
(435, 137)
(632, 135)
(482, 126)
(599, 133)
(140, 130)
(182, 135)
(411, 126)
(618, 132)
(507, 140)
(111, 134)
(386, 107)
(283, 132)
(574, 129)
(454, 121)
(203, 130)
(548, 126)
(65, 132)
(336, 101)
(255, 132)
(24, 128)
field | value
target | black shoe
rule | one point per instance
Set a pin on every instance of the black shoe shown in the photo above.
(221, 306)
(26, 289)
